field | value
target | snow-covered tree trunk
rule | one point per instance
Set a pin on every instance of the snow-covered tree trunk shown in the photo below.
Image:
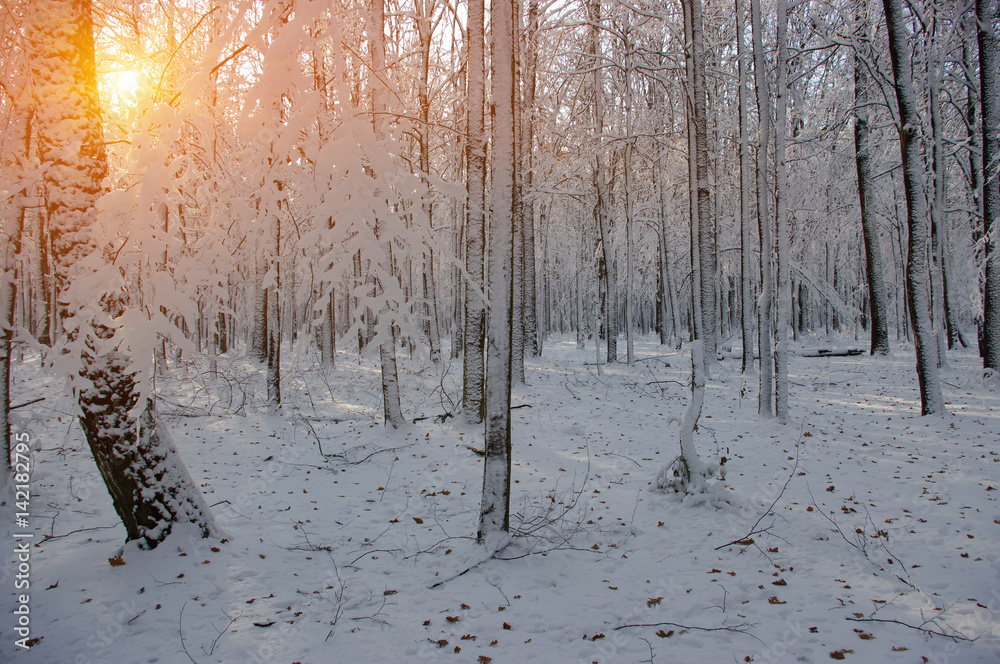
(375, 29)
(746, 237)
(917, 272)
(149, 485)
(473, 364)
(606, 264)
(494, 519)
(765, 325)
(517, 289)
(866, 184)
(629, 203)
(939, 233)
(532, 344)
(697, 302)
(708, 259)
(259, 339)
(424, 29)
(781, 217)
(988, 15)
(16, 159)
(274, 316)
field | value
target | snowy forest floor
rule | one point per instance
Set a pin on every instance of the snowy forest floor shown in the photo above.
(883, 546)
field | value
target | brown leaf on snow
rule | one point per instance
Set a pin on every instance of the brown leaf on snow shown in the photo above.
(665, 635)
(117, 561)
(418, 519)
(840, 654)
(653, 601)
(775, 600)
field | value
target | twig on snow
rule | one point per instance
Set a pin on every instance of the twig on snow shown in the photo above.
(746, 540)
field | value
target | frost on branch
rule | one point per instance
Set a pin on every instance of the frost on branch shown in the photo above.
(687, 473)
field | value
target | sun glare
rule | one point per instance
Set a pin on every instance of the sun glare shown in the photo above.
(126, 83)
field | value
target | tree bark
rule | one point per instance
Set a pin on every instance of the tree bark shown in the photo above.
(494, 517)
(866, 184)
(475, 308)
(781, 218)
(606, 265)
(746, 239)
(149, 485)
(931, 398)
(765, 326)
(988, 17)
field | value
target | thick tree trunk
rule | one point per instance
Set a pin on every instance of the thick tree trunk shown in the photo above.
(149, 485)
(475, 309)
(866, 184)
(495, 511)
(931, 398)
(988, 15)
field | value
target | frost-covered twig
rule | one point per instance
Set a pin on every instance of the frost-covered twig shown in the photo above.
(742, 628)
(919, 628)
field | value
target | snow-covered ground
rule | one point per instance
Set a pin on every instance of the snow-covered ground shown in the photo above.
(859, 530)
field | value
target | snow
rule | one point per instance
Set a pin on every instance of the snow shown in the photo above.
(863, 510)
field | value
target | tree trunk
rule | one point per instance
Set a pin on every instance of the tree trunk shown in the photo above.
(629, 139)
(781, 217)
(708, 263)
(149, 485)
(931, 398)
(606, 265)
(532, 345)
(375, 28)
(988, 15)
(12, 218)
(765, 325)
(697, 303)
(866, 184)
(746, 238)
(475, 308)
(423, 19)
(495, 511)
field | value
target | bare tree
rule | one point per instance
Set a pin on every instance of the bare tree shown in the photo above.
(863, 99)
(917, 272)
